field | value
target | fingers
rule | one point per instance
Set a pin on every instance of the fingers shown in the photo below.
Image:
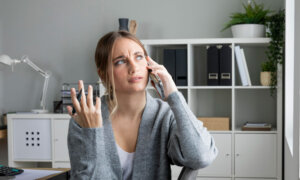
(157, 67)
(98, 104)
(75, 101)
(90, 97)
(151, 61)
(154, 66)
(83, 97)
(69, 108)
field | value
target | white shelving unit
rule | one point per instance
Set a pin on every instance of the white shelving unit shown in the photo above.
(243, 155)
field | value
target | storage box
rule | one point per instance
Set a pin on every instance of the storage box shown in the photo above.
(215, 123)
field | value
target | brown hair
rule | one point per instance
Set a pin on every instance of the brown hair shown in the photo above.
(103, 55)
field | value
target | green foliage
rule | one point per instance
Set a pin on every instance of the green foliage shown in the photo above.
(268, 66)
(275, 52)
(254, 14)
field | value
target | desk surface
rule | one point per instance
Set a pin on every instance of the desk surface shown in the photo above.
(63, 170)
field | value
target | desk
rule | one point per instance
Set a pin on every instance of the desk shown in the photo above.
(35, 173)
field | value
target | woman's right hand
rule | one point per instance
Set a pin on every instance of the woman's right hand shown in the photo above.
(87, 114)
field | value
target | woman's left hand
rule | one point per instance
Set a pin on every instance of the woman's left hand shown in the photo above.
(166, 78)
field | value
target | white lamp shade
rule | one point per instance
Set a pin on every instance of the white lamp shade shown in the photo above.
(7, 60)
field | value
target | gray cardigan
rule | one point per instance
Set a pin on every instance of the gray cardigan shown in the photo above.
(169, 133)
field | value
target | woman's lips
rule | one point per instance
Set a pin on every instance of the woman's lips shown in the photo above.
(135, 79)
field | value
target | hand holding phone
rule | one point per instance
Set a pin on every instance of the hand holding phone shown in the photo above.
(157, 84)
(160, 79)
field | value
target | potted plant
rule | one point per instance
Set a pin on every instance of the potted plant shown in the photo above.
(275, 52)
(251, 23)
(267, 70)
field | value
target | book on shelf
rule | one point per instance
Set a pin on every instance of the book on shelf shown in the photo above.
(213, 66)
(241, 66)
(219, 65)
(257, 126)
(175, 61)
(225, 65)
(246, 67)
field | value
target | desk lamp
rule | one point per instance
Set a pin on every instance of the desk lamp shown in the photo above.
(46, 74)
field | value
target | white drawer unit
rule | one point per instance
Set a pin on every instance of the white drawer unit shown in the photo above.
(38, 140)
(31, 139)
(255, 155)
(221, 167)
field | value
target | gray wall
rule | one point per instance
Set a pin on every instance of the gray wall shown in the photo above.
(61, 36)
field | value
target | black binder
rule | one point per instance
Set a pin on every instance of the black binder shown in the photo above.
(212, 66)
(181, 67)
(225, 65)
(170, 62)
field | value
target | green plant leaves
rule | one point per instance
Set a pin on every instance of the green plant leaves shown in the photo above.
(254, 14)
(275, 52)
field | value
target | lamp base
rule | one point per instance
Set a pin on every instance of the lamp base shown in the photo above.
(40, 111)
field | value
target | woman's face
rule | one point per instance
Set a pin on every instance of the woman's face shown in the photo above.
(129, 66)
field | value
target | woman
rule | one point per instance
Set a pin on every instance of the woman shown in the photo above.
(128, 134)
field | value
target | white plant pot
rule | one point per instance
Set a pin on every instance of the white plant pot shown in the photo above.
(248, 30)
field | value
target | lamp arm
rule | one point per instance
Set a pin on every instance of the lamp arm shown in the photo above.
(45, 74)
(45, 88)
(26, 60)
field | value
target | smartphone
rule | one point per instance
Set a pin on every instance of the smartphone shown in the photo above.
(157, 84)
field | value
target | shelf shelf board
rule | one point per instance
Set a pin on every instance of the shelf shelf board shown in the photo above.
(240, 131)
(205, 41)
(178, 87)
(31, 160)
(182, 87)
(221, 132)
(252, 87)
(210, 87)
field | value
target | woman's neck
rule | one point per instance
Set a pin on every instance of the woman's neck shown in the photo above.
(131, 105)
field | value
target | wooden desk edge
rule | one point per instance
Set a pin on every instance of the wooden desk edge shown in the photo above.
(63, 170)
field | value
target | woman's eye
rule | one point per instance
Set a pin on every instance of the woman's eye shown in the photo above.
(139, 57)
(122, 61)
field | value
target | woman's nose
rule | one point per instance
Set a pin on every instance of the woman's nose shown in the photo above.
(133, 66)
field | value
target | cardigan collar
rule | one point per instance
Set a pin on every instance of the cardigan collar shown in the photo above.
(139, 161)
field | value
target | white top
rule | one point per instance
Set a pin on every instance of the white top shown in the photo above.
(126, 160)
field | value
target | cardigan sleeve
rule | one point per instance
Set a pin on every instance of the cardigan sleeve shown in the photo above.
(190, 144)
(87, 152)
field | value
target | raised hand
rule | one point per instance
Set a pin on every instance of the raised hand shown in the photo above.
(166, 78)
(87, 114)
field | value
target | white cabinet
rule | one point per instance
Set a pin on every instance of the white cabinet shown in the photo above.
(221, 167)
(60, 134)
(38, 140)
(31, 139)
(255, 155)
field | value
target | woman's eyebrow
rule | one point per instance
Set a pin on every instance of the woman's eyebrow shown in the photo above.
(118, 57)
(138, 52)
